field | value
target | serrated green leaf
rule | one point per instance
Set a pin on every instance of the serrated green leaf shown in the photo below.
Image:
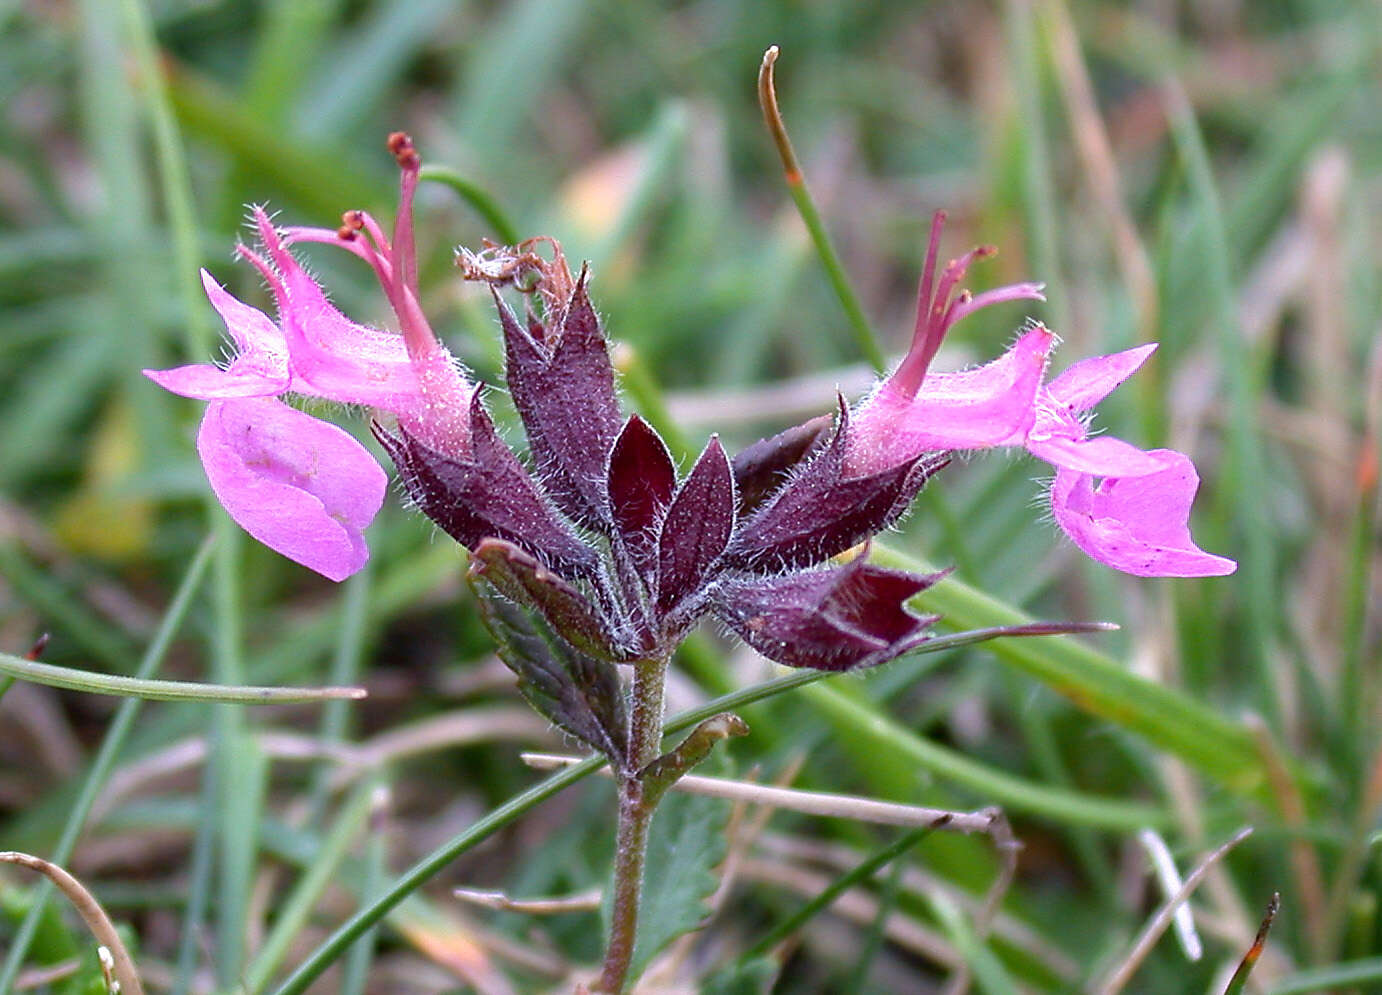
(577, 692)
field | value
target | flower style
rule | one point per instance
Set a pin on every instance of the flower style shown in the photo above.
(301, 486)
(1135, 520)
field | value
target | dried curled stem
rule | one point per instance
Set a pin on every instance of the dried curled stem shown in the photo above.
(120, 963)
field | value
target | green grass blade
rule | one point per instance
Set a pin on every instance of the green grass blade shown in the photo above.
(865, 721)
(819, 903)
(481, 200)
(1246, 478)
(105, 758)
(864, 336)
(295, 908)
(986, 968)
(175, 181)
(316, 177)
(1096, 683)
(1333, 978)
(156, 690)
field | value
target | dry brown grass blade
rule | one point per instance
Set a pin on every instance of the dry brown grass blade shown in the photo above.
(92, 914)
(1123, 973)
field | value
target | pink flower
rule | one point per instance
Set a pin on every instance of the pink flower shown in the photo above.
(301, 486)
(913, 411)
(1135, 520)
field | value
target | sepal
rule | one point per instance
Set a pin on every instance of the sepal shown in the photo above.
(563, 387)
(839, 618)
(696, 529)
(642, 480)
(486, 494)
(821, 511)
(521, 578)
(760, 469)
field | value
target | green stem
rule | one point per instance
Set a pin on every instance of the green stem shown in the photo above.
(426, 868)
(477, 197)
(636, 809)
(864, 337)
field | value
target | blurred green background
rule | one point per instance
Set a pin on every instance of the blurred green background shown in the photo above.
(1203, 175)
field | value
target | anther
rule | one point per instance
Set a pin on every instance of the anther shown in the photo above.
(401, 147)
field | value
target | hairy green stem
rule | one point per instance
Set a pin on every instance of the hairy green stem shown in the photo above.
(636, 809)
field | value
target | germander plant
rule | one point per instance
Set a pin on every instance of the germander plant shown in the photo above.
(594, 563)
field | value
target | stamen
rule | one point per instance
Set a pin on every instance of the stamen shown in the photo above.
(347, 238)
(403, 150)
(401, 147)
(373, 229)
(955, 272)
(962, 300)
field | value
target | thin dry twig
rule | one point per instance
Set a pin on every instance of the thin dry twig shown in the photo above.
(586, 901)
(1158, 923)
(92, 914)
(813, 802)
(40, 976)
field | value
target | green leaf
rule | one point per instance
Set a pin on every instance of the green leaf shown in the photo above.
(754, 978)
(523, 580)
(577, 692)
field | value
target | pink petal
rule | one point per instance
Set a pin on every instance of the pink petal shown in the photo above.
(1091, 380)
(300, 486)
(256, 336)
(989, 406)
(1102, 456)
(333, 356)
(260, 367)
(207, 382)
(1139, 525)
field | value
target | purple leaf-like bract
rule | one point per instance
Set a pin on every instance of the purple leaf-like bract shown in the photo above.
(762, 468)
(520, 577)
(821, 511)
(838, 618)
(697, 527)
(642, 480)
(487, 494)
(563, 387)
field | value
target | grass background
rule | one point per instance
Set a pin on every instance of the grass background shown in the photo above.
(1201, 175)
